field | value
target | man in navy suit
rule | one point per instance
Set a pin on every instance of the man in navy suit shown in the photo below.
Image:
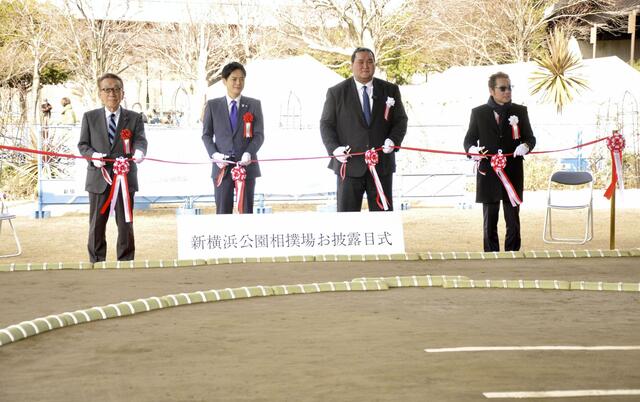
(361, 113)
(491, 128)
(233, 130)
(101, 137)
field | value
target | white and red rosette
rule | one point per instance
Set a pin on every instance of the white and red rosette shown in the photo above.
(515, 131)
(119, 182)
(239, 176)
(498, 163)
(247, 119)
(371, 159)
(616, 144)
(126, 135)
(388, 105)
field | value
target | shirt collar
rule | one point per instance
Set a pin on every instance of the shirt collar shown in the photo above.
(108, 113)
(359, 85)
(232, 99)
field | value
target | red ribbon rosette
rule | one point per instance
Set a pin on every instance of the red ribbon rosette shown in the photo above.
(247, 118)
(498, 163)
(239, 175)
(371, 159)
(616, 144)
(126, 135)
(119, 182)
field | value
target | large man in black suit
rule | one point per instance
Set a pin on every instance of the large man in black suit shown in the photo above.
(361, 113)
(101, 137)
(499, 125)
(228, 136)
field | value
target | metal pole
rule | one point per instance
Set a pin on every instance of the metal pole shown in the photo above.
(631, 28)
(612, 220)
(39, 212)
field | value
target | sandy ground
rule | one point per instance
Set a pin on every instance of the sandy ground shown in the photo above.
(63, 238)
(352, 346)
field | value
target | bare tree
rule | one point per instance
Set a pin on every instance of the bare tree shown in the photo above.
(30, 35)
(196, 51)
(476, 32)
(338, 26)
(95, 45)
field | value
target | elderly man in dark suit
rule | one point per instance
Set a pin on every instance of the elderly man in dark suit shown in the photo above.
(361, 113)
(233, 130)
(103, 134)
(499, 125)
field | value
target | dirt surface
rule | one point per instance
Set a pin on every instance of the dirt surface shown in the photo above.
(350, 346)
(64, 238)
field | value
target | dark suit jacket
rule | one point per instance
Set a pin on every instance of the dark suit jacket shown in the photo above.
(217, 135)
(342, 123)
(94, 138)
(484, 131)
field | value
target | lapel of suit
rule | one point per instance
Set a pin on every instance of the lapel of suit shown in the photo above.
(354, 100)
(379, 99)
(122, 123)
(243, 108)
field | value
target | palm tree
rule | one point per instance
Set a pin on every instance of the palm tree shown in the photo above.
(557, 78)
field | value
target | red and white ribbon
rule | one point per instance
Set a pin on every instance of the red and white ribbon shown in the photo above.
(119, 182)
(389, 104)
(515, 131)
(371, 159)
(239, 175)
(247, 118)
(616, 144)
(498, 163)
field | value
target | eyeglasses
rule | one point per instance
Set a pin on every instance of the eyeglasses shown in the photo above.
(113, 90)
(504, 89)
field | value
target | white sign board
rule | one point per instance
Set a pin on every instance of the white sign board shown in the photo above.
(289, 234)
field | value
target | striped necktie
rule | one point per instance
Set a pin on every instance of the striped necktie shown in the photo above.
(112, 128)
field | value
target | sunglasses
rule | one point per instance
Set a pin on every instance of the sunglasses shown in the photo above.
(505, 89)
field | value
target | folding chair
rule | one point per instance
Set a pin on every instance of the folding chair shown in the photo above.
(6, 216)
(567, 179)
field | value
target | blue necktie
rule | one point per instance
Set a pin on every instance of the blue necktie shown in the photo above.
(366, 108)
(112, 128)
(233, 116)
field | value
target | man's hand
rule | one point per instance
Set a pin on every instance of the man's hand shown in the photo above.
(138, 156)
(97, 159)
(219, 158)
(387, 148)
(341, 153)
(476, 150)
(521, 150)
(245, 160)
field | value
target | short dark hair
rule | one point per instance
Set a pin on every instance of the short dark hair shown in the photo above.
(231, 67)
(494, 78)
(362, 49)
(112, 76)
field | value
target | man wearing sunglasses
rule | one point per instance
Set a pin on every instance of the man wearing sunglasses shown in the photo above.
(499, 125)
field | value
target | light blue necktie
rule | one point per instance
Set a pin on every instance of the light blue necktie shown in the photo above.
(233, 116)
(366, 108)
(112, 128)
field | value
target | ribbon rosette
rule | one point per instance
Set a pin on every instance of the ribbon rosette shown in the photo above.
(616, 144)
(498, 163)
(119, 182)
(126, 135)
(248, 120)
(371, 159)
(239, 175)
(515, 131)
(389, 104)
